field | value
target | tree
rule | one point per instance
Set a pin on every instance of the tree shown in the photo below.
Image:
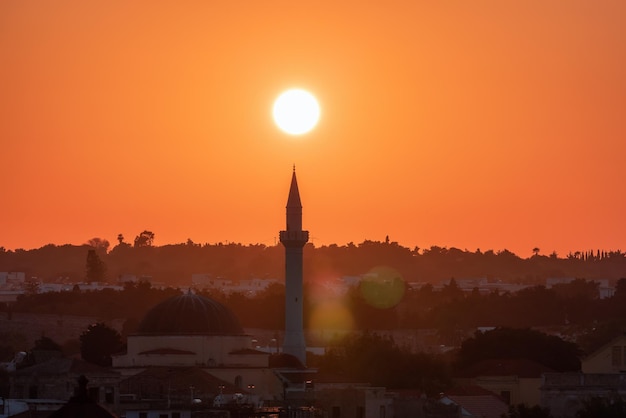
(120, 238)
(99, 244)
(31, 286)
(580, 289)
(96, 269)
(378, 360)
(511, 343)
(536, 251)
(452, 291)
(10, 343)
(46, 344)
(145, 239)
(600, 407)
(98, 342)
(620, 289)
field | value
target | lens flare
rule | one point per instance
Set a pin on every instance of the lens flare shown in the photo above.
(382, 287)
(331, 316)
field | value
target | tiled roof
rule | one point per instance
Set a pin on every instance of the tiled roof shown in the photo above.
(286, 361)
(192, 375)
(247, 351)
(483, 406)
(471, 390)
(64, 365)
(167, 351)
(297, 377)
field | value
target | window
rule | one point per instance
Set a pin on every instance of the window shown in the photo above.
(33, 392)
(360, 412)
(108, 395)
(506, 396)
(616, 356)
(238, 382)
(336, 412)
(94, 393)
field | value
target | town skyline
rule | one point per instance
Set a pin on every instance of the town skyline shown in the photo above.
(477, 126)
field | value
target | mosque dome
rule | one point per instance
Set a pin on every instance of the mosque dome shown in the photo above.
(189, 314)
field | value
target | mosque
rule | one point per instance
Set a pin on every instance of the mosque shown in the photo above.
(193, 331)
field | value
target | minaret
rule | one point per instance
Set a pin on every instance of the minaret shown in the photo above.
(294, 238)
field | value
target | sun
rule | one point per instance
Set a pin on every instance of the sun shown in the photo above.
(296, 111)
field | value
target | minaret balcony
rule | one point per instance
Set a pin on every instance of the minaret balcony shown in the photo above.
(294, 237)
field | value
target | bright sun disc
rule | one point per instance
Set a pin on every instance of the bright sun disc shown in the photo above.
(296, 111)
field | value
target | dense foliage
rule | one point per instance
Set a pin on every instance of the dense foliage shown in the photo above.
(174, 264)
(98, 343)
(549, 350)
(450, 311)
(603, 407)
(375, 359)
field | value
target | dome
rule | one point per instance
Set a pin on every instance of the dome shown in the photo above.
(189, 314)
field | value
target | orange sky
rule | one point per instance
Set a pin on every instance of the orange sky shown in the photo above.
(471, 124)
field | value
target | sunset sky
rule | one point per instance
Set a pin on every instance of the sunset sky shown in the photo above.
(484, 124)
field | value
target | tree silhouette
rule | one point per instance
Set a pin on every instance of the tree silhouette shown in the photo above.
(378, 360)
(46, 344)
(511, 343)
(145, 239)
(620, 289)
(98, 342)
(99, 243)
(96, 269)
(599, 407)
(31, 286)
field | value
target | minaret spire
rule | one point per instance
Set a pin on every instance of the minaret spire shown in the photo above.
(294, 206)
(293, 239)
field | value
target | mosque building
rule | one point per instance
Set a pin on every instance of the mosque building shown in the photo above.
(193, 331)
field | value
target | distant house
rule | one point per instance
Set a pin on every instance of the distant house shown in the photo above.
(514, 380)
(610, 358)
(56, 380)
(12, 277)
(603, 375)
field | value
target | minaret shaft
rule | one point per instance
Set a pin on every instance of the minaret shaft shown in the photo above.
(294, 239)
